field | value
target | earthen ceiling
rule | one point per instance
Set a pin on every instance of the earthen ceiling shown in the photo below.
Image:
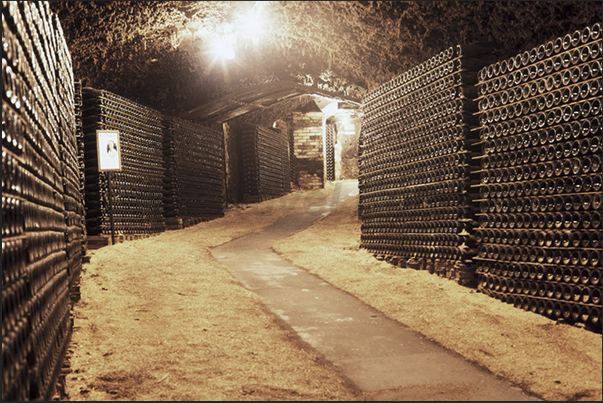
(158, 52)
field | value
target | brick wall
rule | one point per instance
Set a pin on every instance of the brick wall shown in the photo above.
(308, 149)
(307, 134)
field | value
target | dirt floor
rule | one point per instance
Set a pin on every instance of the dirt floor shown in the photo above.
(160, 319)
(553, 360)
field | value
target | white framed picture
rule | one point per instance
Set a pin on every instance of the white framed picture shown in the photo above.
(109, 150)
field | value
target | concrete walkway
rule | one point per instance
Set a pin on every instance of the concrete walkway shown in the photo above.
(382, 357)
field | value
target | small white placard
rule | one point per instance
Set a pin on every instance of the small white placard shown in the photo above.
(109, 151)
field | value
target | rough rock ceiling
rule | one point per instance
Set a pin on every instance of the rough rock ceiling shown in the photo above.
(158, 52)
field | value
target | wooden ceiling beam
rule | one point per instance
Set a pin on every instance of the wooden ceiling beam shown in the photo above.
(257, 97)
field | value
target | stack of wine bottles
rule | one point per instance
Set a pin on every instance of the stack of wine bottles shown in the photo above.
(415, 164)
(79, 135)
(194, 173)
(38, 202)
(265, 162)
(292, 157)
(540, 206)
(137, 190)
(72, 184)
(330, 151)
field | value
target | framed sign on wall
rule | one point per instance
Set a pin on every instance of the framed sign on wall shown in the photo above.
(109, 150)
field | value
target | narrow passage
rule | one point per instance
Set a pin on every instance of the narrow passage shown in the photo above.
(383, 358)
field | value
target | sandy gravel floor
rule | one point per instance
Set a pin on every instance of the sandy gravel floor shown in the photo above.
(160, 319)
(555, 361)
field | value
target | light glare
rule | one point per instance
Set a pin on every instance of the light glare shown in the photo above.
(248, 28)
(252, 25)
(223, 47)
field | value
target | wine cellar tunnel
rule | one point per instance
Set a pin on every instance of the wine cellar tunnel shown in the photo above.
(473, 130)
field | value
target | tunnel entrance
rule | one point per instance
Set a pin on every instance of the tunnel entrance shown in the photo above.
(341, 143)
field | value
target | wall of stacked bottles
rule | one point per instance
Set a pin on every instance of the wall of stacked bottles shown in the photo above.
(79, 135)
(330, 151)
(265, 162)
(194, 175)
(69, 151)
(292, 165)
(414, 165)
(77, 107)
(540, 208)
(39, 206)
(137, 190)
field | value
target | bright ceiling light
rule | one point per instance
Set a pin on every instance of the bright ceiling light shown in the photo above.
(247, 28)
(224, 49)
(251, 25)
(224, 44)
(347, 123)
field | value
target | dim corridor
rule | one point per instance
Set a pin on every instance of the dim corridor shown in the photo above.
(383, 358)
